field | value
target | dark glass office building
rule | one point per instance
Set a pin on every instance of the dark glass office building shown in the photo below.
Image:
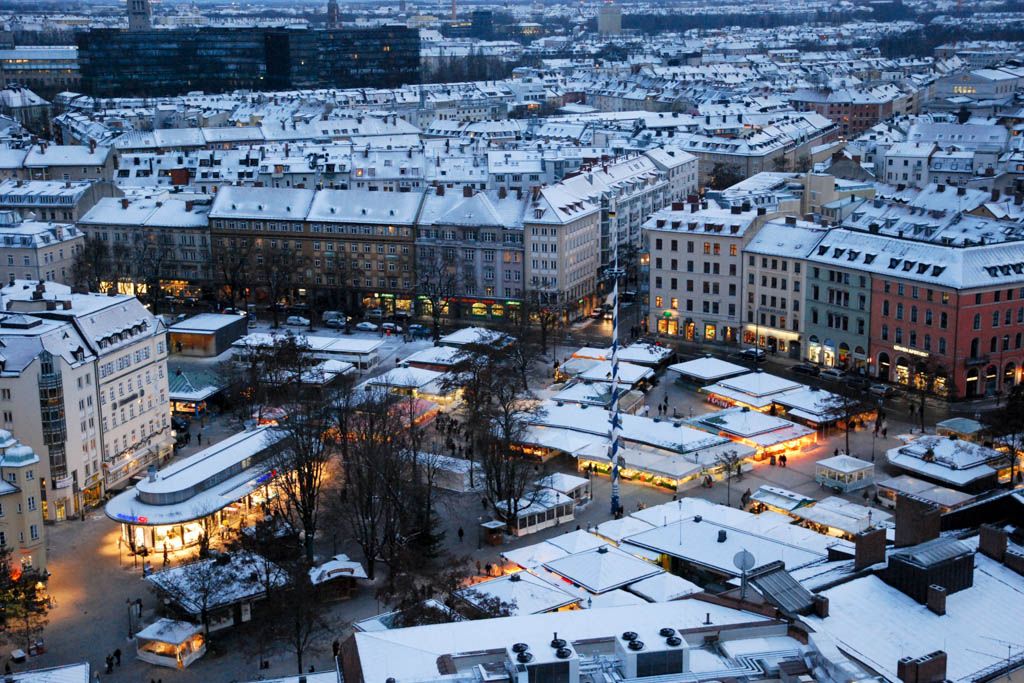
(170, 62)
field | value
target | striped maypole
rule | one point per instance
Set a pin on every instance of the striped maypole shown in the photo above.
(615, 431)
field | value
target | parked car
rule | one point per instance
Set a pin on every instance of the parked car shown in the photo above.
(807, 369)
(335, 323)
(597, 313)
(297, 320)
(366, 326)
(882, 390)
(419, 331)
(757, 355)
(834, 374)
(375, 313)
(401, 315)
(327, 316)
(394, 328)
(858, 382)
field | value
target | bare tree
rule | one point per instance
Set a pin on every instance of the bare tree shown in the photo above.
(545, 311)
(281, 269)
(438, 282)
(150, 251)
(1006, 426)
(92, 265)
(844, 406)
(730, 462)
(297, 616)
(303, 458)
(234, 266)
(360, 498)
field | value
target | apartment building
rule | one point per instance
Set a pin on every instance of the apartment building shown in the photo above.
(129, 373)
(695, 270)
(163, 237)
(481, 234)
(54, 200)
(775, 273)
(33, 250)
(838, 303)
(69, 162)
(323, 243)
(48, 400)
(560, 232)
(21, 519)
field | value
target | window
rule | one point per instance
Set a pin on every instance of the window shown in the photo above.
(977, 321)
(732, 250)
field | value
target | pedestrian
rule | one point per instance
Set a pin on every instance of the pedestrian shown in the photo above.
(165, 553)
(885, 432)
(462, 534)
(117, 656)
(771, 460)
(110, 664)
(199, 438)
(487, 568)
(835, 452)
(479, 569)
(783, 459)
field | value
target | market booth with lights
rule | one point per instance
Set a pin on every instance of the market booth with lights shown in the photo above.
(170, 508)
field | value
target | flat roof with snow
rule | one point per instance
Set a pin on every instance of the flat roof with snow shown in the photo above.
(521, 591)
(708, 369)
(204, 323)
(759, 384)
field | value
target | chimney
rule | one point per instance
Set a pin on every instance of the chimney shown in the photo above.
(151, 473)
(790, 220)
(536, 192)
(992, 542)
(92, 146)
(762, 211)
(1018, 198)
(820, 606)
(189, 205)
(936, 600)
(917, 521)
(723, 535)
(961, 191)
(502, 192)
(901, 187)
(678, 206)
(735, 210)
(67, 304)
(440, 190)
(940, 188)
(869, 548)
(124, 203)
(51, 305)
(467, 191)
(856, 158)
(995, 195)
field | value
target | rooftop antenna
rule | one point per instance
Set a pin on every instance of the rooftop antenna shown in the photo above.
(744, 561)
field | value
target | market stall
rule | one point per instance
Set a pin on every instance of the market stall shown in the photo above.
(167, 642)
(844, 473)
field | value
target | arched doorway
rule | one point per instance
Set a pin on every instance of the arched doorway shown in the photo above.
(814, 349)
(1009, 376)
(991, 380)
(940, 383)
(883, 366)
(860, 357)
(902, 370)
(794, 349)
(828, 353)
(921, 378)
(971, 383)
(843, 359)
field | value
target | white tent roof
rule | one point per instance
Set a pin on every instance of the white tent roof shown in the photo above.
(169, 631)
(339, 566)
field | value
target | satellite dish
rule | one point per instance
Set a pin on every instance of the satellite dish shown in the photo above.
(743, 560)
